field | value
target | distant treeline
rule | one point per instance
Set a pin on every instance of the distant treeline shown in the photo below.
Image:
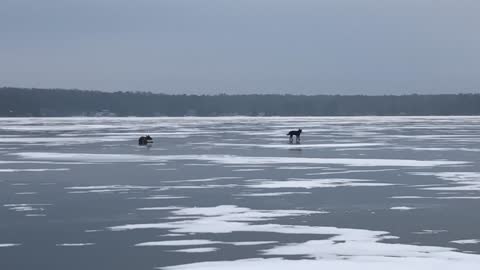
(59, 102)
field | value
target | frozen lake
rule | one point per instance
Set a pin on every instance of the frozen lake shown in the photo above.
(231, 193)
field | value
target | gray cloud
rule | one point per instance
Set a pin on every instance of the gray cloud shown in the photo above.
(246, 46)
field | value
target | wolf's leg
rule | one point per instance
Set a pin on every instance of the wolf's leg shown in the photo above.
(291, 139)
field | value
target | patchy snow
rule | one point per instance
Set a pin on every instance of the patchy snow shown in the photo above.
(459, 198)
(439, 198)
(98, 191)
(195, 242)
(8, 245)
(162, 197)
(26, 207)
(206, 179)
(231, 159)
(350, 171)
(435, 261)
(290, 146)
(364, 247)
(409, 197)
(159, 208)
(197, 250)
(466, 181)
(430, 231)
(252, 243)
(235, 213)
(122, 187)
(318, 183)
(300, 168)
(402, 208)
(33, 170)
(248, 170)
(270, 194)
(75, 244)
(224, 219)
(466, 241)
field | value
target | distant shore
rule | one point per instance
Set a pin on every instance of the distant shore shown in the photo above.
(23, 102)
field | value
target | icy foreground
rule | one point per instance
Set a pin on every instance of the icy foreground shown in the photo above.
(231, 193)
(360, 263)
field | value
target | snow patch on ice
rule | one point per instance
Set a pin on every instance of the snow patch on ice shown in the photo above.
(252, 243)
(318, 183)
(270, 194)
(8, 245)
(162, 197)
(402, 208)
(248, 170)
(33, 170)
(289, 146)
(195, 242)
(205, 179)
(446, 261)
(75, 244)
(466, 180)
(159, 208)
(466, 241)
(26, 207)
(197, 250)
(430, 231)
(230, 159)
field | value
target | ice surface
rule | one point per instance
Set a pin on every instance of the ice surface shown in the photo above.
(251, 199)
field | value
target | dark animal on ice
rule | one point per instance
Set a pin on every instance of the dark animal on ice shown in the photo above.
(297, 133)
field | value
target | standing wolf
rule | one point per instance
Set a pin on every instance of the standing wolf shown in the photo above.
(296, 133)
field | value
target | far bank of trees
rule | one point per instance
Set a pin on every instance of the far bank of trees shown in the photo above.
(59, 102)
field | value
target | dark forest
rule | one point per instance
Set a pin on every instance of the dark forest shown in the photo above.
(16, 102)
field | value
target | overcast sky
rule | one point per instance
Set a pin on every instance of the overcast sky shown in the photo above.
(242, 46)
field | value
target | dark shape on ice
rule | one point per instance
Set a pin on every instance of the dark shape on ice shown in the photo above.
(297, 133)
